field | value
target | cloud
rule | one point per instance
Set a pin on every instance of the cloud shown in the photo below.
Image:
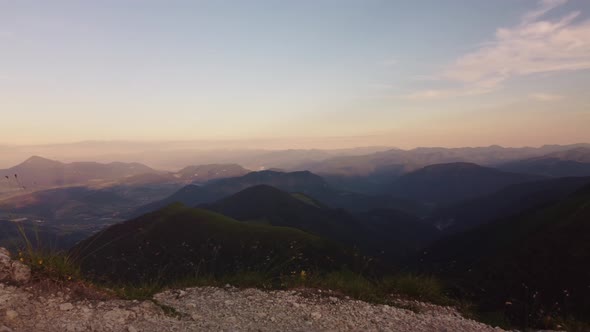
(535, 45)
(545, 97)
(446, 93)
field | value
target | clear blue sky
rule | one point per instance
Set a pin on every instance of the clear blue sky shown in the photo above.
(403, 73)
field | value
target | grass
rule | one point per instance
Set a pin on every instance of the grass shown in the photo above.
(46, 263)
(424, 288)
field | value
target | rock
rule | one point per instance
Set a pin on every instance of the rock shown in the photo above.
(315, 315)
(11, 314)
(5, 265)
(251, 311)
(66, 306)
(20, 272)
(4, 251)
(5, 329)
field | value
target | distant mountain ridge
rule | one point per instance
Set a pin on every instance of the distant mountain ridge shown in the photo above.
(303, 182)
(574, 162)
(37, 172)
(398, 162)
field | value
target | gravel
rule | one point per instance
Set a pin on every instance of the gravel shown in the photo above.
(24, 308)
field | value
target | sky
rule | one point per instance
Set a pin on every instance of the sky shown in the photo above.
(346, 72)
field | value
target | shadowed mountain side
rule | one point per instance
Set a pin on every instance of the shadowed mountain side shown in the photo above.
(179, 242)
(504, 203)
(386, 234)
(450, 183)
(535, 260)
(398, 234)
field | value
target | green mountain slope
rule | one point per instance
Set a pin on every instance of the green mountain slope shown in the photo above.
(178, 241)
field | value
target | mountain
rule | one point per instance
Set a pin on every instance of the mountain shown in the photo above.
(386, 234)
(531, 265)
(303, 182)
(506, 202)
(398, 162)
(268, 205)
(178, 242)
(442, 184)
(204, 173)
(37, 173)
(574, 162)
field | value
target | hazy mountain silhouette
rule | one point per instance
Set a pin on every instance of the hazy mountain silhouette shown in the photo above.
(574, 162)
(37, 172)
(398, 162)
(454, 182)
(204, 173)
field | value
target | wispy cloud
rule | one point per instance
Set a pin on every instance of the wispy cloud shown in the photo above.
(545, 96)
(445, 93)
(536, 45)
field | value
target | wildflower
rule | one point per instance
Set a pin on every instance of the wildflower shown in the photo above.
(40, 262)
(303, 274)
(21, 259)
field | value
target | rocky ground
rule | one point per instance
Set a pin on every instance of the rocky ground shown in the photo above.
(44, 306)
(217, 309)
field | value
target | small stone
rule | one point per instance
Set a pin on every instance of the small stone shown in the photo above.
(130, 328)
(66, 306)
(315, 315)
(20, 272)
(11, 314)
